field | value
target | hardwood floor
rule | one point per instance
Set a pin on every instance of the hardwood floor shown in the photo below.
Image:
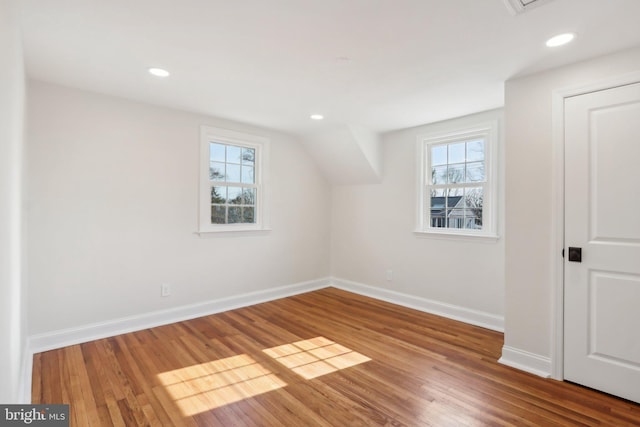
(325, 358)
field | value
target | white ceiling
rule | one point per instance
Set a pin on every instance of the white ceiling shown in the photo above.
(381, 64)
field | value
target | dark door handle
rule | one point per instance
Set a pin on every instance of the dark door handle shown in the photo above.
(575, 254)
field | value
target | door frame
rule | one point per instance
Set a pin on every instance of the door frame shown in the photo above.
(558, 199)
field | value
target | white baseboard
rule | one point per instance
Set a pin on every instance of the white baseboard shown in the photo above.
(526, 361)
(455, 312)
(90, 332)
(62, 338)
(65, 337)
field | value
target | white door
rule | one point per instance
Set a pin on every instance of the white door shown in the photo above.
(602, 218)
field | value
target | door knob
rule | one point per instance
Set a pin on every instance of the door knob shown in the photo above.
(575, 254)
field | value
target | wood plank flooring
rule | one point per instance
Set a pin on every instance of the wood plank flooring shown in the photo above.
(325, 358)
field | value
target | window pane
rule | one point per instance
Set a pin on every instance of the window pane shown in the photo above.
(248, 215)
(455, 211)
(456, 174)
(475, 172)
(453, 202)
(248, 156)
(234, 195)
(474, 200)
(249, 196)
(438, 155)
(234, 154)
(475, 150)
(475, 222)
(247, 175)
(216, 171)
(218, 215)
(456, 152)
(216, 152)
(233, 173)
(437, 203)
(235, 214)
(218, 195)
(474, 197)
(439, 175)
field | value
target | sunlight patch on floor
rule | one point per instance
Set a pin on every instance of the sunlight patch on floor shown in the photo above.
(315, 357)
(209, 385)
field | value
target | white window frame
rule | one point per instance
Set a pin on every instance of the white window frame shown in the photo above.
(261, 145)
(489, 132)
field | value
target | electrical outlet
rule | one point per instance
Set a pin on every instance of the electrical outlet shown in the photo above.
(165, 290)
(389, 275)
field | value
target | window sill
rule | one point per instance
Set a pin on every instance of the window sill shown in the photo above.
(238, 232)
(485, 238)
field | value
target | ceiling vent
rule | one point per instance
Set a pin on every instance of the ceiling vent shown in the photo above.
(517, 7)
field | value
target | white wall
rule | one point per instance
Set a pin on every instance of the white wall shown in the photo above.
(531, 205)
(12, 317)
(113, 207)
(373, 231)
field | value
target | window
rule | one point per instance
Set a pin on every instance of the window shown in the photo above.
(458, 188)
(232, 181)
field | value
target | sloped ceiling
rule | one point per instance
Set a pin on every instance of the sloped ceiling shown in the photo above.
(347, 154)
(376, 65)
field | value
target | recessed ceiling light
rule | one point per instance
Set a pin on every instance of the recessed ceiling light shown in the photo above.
(316, 117)
(159, 72)
(560, 39)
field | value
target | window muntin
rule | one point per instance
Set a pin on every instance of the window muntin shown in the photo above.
(457, 186)
(232, 181)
